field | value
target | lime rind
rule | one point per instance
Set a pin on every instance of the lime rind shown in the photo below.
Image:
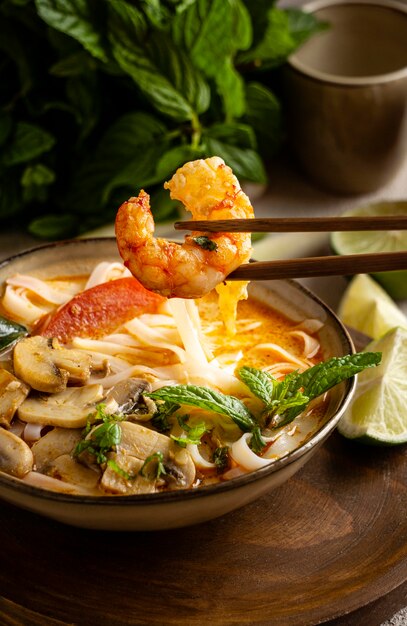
(394, 282)
(369, 309)
(378, 411)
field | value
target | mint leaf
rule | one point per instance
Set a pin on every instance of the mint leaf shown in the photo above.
(206, 243)
(172, 159)
(193, 435)
(321, 377)
(126, 36)
(205, 398)
(303, 25)
(74, 18)
(155, 461)
(27, 142)
(259, 382)
(245, 163)
(160, 419)
(221, 458)
(10, 332)
(318, 379)
(233, 133)
(100, 439)
(53, 226)
(276, 44)
(264, 116)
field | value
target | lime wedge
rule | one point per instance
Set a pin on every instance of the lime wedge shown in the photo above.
(368, 308)
(378, 411)
(395, 283)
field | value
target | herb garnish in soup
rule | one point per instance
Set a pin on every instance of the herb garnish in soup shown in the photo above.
(110, 388)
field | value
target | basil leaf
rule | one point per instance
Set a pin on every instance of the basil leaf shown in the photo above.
(27, 142)
(230, 87)
(38, 174)
(259, 382)
(174, 158)
(276, 44)
(209, 399)
(10, 332)
(233, 133)
(264, 116)
(303, 25)
(245, 163)
(130, 53)
(57, 226)
(206, 243)
(74, 18)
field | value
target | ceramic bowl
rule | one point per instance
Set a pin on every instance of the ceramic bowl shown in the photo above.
(346, 95)
(177, 508)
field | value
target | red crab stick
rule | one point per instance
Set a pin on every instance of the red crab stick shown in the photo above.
(100, 310)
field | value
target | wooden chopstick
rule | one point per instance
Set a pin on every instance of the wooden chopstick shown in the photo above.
(321, 266)
(296, 224)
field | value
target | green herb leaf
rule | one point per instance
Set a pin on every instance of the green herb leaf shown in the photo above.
(54, 227)
(160, 419)
(193, 435)
(27, 142)
(221, 458)
(205, 398)
(290, 396)
(264, 116)
(259, 382)
(10, 332)
(245, 163)
(158, 468)
(100, 439)
(74, 18)
(206, 243)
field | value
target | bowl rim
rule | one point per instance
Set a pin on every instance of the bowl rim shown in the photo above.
(206, 490)
(341, 80)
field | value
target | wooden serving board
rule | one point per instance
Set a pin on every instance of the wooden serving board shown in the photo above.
(330, 540)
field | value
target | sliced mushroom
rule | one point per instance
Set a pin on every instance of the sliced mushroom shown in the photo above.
(68, 409)
(138, 444)
(16, 457)
(113, 482)
(12, 393)
(128, 395)
(47, 367)
(57, 442)
(67, 469)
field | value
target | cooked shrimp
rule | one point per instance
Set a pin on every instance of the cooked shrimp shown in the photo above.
(209, 190)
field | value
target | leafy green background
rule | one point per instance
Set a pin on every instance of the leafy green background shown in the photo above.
(100, 98)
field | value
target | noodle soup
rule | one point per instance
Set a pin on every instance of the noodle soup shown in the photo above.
(83, 503)
(103, 430)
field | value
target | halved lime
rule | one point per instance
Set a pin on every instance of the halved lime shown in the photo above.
(395, 283)
(378, 411)
(368, 308)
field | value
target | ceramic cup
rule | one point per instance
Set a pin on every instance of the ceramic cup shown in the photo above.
(346, 95)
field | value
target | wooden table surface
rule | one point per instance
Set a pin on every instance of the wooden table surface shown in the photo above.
(331, 539)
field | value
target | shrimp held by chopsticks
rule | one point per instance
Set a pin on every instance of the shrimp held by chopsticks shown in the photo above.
(210, 191)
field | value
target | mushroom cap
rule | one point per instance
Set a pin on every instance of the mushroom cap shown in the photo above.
(16, 457)
(47, 367)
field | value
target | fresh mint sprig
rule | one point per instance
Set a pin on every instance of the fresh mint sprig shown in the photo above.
(216, 402)
(285, 400)
(193, 434)
(99, 439)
